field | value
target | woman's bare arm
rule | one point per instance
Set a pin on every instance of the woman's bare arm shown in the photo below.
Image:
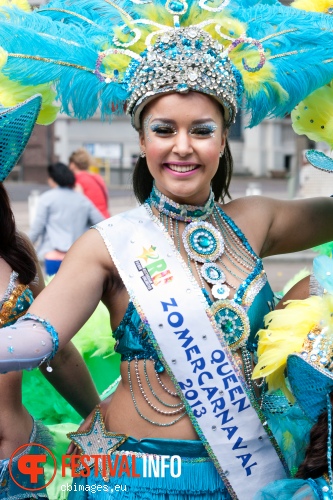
(70, 375)
(64, 306)
(298, 225)
(281, 226)
(71, 378)
(75, 291)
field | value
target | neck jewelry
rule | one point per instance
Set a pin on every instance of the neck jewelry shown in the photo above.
(185, 213)
(213, 250)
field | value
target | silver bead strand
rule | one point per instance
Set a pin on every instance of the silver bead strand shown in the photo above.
(159, 424)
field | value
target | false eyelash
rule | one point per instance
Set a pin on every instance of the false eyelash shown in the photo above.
(168, 129)
(210, 128)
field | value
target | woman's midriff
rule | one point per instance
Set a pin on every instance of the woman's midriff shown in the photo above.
(122, 417)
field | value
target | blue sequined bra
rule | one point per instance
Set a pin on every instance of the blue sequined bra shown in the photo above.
(15, 302)
(254, 294)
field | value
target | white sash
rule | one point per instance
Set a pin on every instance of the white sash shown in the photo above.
(193, 351)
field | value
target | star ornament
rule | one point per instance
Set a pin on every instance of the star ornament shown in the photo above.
(96, 440)
(147, 253)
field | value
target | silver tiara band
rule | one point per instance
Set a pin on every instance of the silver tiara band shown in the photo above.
(183, 60)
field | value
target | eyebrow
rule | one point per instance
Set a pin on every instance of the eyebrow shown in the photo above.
(195, 122)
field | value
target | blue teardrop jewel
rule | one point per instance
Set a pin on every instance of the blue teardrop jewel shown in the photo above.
(212, 273)
(203, 242)
(233, 322)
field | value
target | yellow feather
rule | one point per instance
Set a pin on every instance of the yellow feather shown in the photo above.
(255, 81)
(285, 333)
(313, 5)
(3, 57)
(288, 440)
(314, 115)
(21, 4)
(12, 93)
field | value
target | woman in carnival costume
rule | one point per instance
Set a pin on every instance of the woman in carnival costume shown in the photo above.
(297, 344)
(189, 265)
(21, 281)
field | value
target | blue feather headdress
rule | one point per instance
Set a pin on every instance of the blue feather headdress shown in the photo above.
(115, 55)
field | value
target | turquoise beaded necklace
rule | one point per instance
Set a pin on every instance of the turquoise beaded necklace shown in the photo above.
(208, 240)
(213, 246)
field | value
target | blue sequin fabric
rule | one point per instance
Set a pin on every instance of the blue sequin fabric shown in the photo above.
(15, 302)
(254, 294)
(132, 340)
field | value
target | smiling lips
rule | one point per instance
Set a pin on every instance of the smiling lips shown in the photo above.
(181, 168)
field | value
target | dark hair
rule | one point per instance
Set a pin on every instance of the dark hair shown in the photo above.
(13, 248)
(315, 462)
(60, 173)
(143, 180)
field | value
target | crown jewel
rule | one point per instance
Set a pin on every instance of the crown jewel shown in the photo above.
(181, 60)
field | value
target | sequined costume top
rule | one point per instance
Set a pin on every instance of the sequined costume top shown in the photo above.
(15, 302)
(254, 294)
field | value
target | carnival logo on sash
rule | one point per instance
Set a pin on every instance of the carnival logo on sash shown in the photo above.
(154, 270)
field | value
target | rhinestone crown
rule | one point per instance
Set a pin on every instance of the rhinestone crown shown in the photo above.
(181, 60)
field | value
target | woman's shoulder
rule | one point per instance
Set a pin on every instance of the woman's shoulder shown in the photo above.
(253, 215)
(249, 208)
(92, 247)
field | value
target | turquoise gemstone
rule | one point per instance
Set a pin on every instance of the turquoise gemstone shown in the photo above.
(159, 368)
(176, 6)
(203, 241)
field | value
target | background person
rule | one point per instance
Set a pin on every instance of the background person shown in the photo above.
(62, 215)
(90, 184)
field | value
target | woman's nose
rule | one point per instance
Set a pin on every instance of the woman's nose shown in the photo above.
(182, 145)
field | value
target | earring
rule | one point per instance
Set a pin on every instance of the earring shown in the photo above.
(221, 153)
(142, 154)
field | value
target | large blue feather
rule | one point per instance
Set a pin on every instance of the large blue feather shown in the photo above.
(99, 11)
(58, 42)
(87, 27)
(299, 73)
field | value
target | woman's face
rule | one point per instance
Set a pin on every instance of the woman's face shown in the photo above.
(182, 136)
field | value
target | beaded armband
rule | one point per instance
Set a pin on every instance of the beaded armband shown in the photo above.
(49, 328)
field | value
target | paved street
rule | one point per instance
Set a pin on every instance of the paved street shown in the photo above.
(279, 269)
